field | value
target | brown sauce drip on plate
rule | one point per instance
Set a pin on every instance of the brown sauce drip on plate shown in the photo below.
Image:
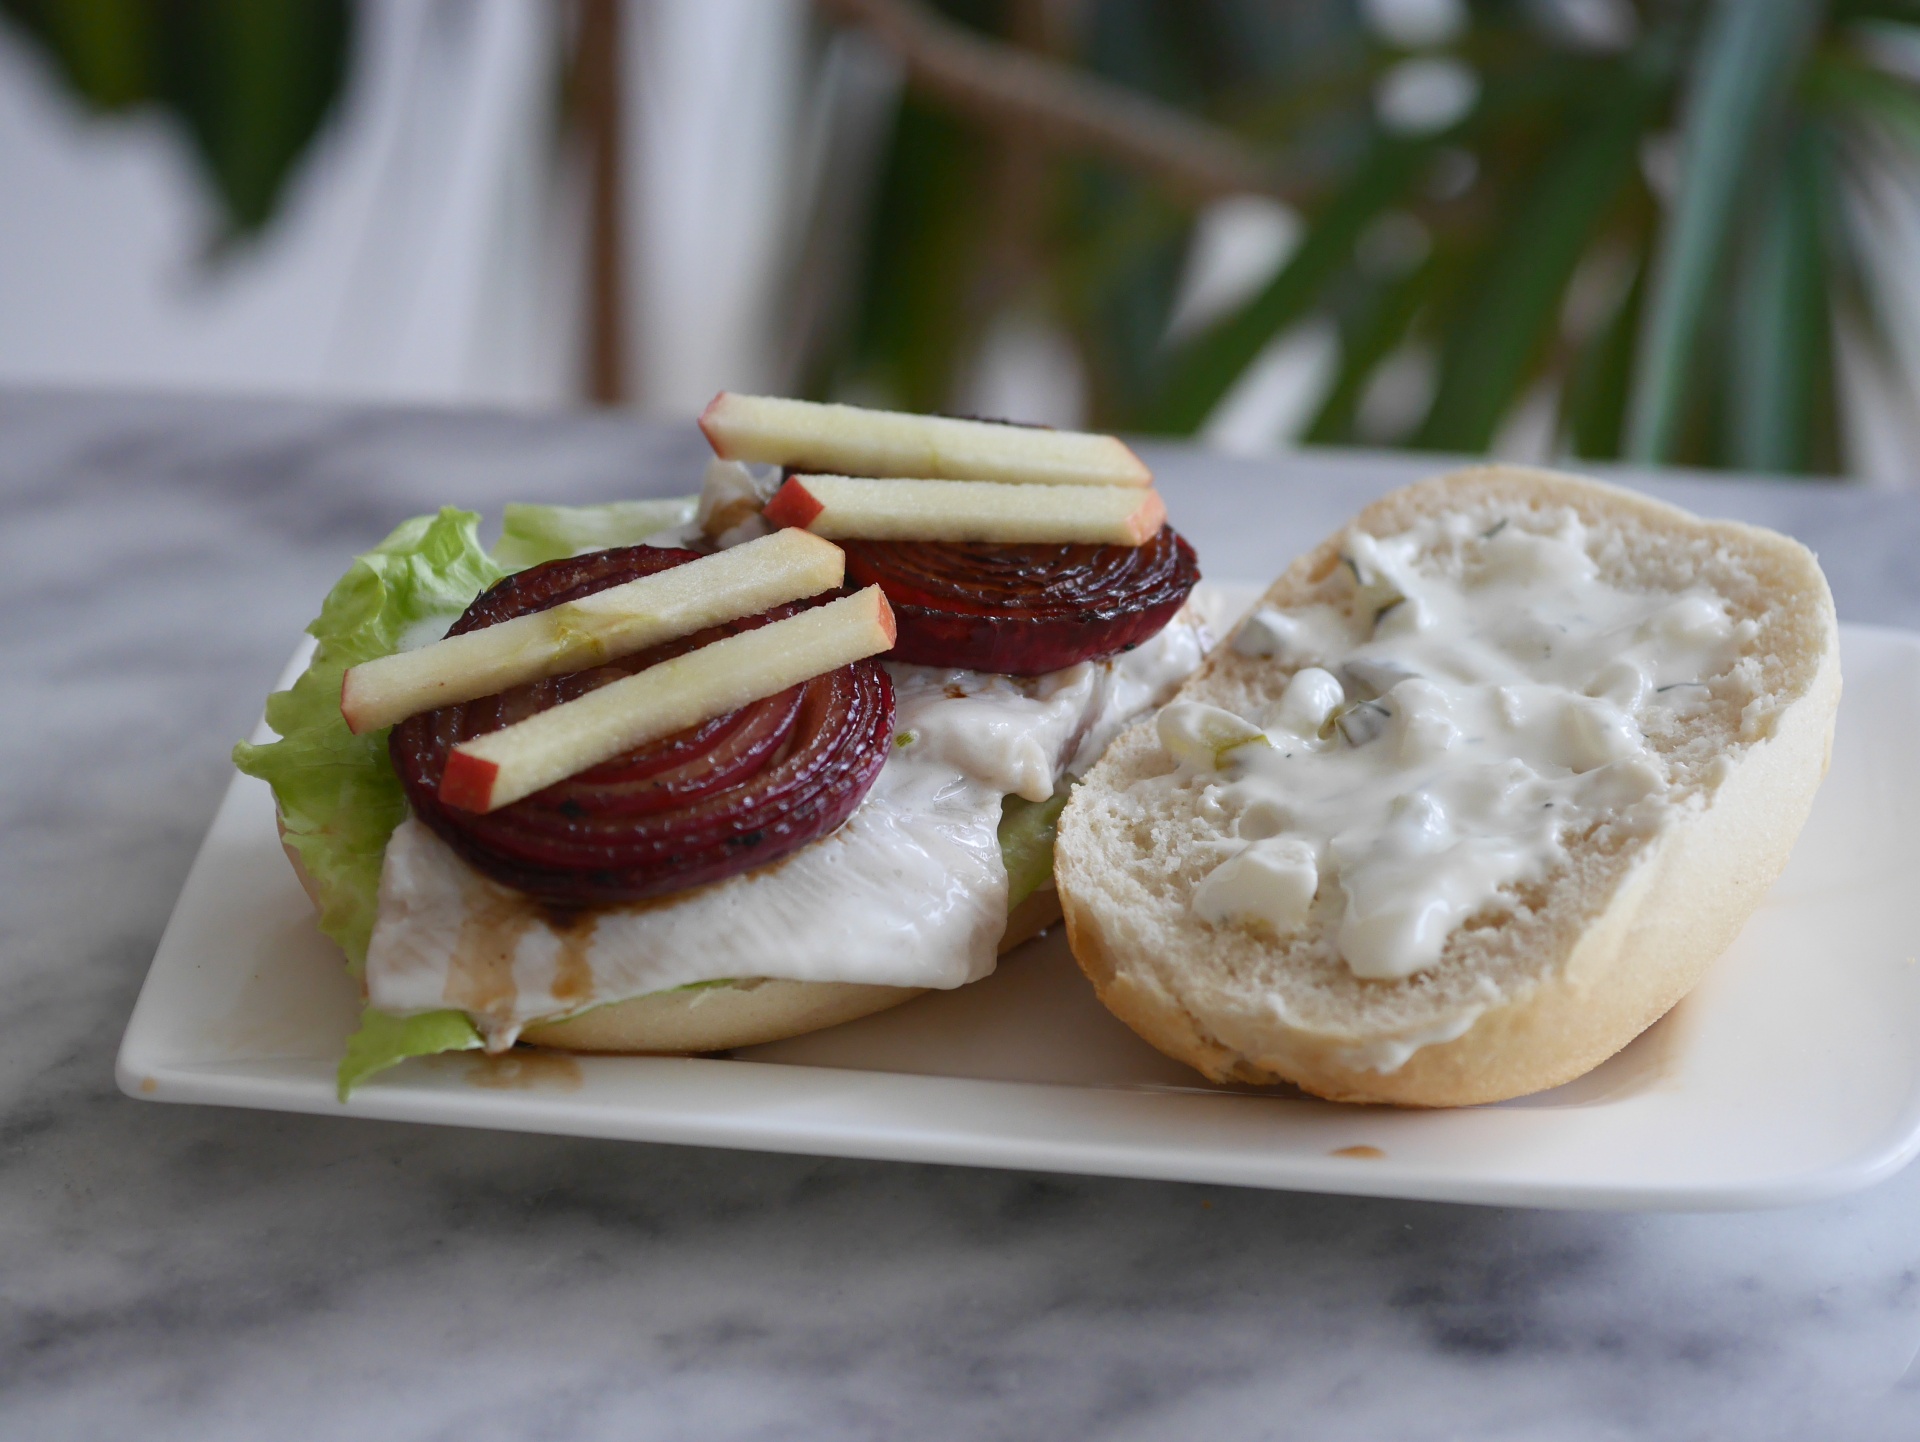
(572, 976)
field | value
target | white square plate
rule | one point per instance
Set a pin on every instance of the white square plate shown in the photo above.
(1792, 1073)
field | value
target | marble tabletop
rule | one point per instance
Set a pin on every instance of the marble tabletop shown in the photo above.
(186, 1272)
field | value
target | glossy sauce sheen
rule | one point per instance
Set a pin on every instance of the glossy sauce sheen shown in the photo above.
(1024, 610)
(732, 793)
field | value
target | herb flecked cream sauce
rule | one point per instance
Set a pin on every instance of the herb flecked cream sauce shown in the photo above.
(1477, 697)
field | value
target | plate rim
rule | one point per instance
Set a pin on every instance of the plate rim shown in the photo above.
(412, 1096)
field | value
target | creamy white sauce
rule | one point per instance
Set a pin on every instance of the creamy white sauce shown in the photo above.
(1387, 1054)
(1021, 732)
(1471, 700)
(731, 495)
(911, 891)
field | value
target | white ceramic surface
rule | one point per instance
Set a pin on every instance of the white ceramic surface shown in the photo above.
(1792, 1073)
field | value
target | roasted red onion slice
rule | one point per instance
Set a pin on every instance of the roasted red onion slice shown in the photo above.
(730, 794)
(1024, 610)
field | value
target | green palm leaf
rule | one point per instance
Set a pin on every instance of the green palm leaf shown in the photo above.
(1780, 351)
(1741, 78)
(1207, 368)
(1493, 346)
(252, 82)
(1369, 336)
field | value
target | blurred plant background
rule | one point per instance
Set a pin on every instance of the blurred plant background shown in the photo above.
(1672, 231)
(1643, 231)
(251, 83)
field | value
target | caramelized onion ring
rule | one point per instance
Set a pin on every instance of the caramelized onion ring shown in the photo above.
(736, 792)
(1024, 610)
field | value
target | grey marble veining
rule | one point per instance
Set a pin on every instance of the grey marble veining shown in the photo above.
(180, 1272)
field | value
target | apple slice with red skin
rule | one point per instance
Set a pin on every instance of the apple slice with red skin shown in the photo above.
(808, 436)
(497, 769)
(576, 635)
(856, 508)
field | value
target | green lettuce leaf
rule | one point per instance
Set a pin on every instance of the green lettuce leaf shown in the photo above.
(1026, 841)
(383, 1041)
(339, 800)
(532, 534)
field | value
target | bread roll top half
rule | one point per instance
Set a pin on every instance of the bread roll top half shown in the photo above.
(1560, 967)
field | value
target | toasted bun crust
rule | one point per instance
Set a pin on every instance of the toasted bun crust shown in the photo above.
(1579, 965)
(737, 1013)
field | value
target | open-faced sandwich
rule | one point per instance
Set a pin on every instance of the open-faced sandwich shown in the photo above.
(686, 776)
(1472, 798)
